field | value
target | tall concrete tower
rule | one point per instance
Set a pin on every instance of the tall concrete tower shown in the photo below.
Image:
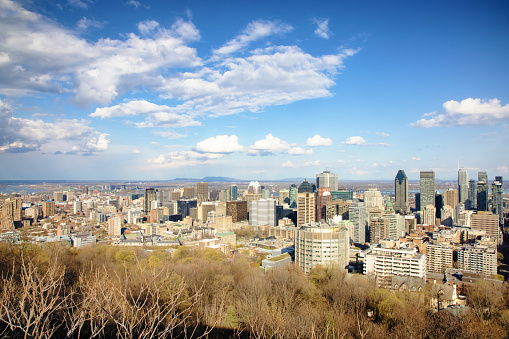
(327, 179)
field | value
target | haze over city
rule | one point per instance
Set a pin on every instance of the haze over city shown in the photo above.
(155, 90)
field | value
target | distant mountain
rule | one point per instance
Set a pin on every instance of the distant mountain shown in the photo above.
(208, 179)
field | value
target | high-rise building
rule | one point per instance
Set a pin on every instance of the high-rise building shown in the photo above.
(321, 244)
(357, 216)
(394, 223)
(472, 194)
(306, 212)
(84, 190)
(115, 225)
(202, 191)
(477, 258)
(184, 206)
(294, 190)
(427, 189)
(439, 257)
(429, 215)
(233, 192)
(497, 199)
(263, 212)
(284, 197)
(237, 209)
(305, 187)
(463, 186)
(48, 208)
(487, 222)
(189, 192)
(323, 196)
(451, 197)
(373, 199)
(254, 188)
(401, 192)
(482, 191)
(327, 179)
(11, 213)
(150, 195)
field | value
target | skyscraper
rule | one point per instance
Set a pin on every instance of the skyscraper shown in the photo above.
(306, 212)
(472, 194)
(357, 215)
(427, 189)
(202, 191)
(150, 195)
(233, 192)
(322, 198)
(327, 179)
(401, 192)
(497, 198)
(482, 191)
(463, 186)
(294, 190)
(305, 187)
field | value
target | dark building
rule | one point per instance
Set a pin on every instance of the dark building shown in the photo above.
(237, 210)
(401, 192)
(185, 205)
(305, 187)
(482, 191)
(150, 195)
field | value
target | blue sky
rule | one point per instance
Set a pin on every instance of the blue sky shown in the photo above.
(154, 90)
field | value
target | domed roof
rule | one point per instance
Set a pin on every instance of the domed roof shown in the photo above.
(305, 187)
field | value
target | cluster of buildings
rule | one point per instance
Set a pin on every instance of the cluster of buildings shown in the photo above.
(386, 235)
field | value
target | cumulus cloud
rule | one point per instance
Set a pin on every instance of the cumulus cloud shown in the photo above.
(357, 140)
(24, 135)
(44, 57)
(322, 29)
(383, 134)
(317, 140)
(468, 112)
(155, 115)
(272, 144)
(503, 169)
(147, 26)
(357, 171)
(416, 158)
(255, 30)
(184, 158)
(136, 151)
(220, 144)
(288, 164)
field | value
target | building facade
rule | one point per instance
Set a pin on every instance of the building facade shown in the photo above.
(427, 189)
(401, 192)
(321, 244)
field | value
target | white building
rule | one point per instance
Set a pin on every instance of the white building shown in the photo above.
(321, 244)
(262, 212)
(478, 259)
(373, 198)
(384, 263)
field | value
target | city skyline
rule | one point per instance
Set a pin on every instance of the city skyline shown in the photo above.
(155, 91)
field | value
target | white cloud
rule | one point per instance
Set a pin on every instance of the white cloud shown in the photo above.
(383, 134)
(184, 158)
(312, 163)
(272, 144)
(299, 151)
(147, 26)
(317, 140)
(416, 158)
(322, 29)
(136, 151)
(357, 140)
(288, 164)
(19, 134)
(85, 23)
(503, 169)
(155, 115)
(470, 111)
(254, 31)
(220, 144)
(78, 4)
(133, 3)
(268, 145)
(170, 134)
